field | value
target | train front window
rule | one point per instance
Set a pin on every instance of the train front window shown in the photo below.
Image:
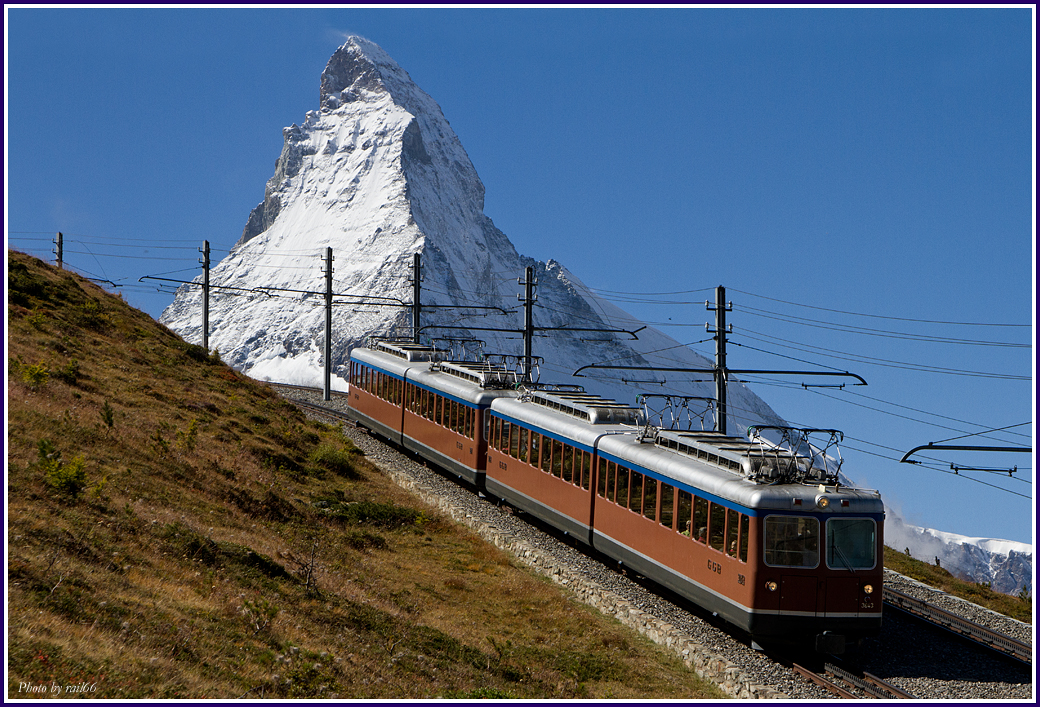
(792, 541)
(851, 543)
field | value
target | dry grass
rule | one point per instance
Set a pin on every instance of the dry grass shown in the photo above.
(213, 542)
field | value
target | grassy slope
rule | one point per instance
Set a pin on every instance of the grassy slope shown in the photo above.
(177, 530)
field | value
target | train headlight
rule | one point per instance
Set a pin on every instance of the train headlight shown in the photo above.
(822, 502)
(771, 585)
(868, 588)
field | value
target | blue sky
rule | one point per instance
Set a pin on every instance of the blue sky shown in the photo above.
(837, 168)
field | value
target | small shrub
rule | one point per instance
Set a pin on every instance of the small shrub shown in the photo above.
(66, 478)
(364, 540)
(36, 320)
(259, 614)
(337, 460)
(69, 373)
(91, 316)
(380, 515)
(190, 438)
(108, 415)
(35, 375)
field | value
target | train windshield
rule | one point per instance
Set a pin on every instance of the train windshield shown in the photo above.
(792, 541)
(851, 543)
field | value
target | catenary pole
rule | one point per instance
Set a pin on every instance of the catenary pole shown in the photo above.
(205, 295)
(327, 395)
(416, 293)
(59, 248)
(528, 299)
(721, 373)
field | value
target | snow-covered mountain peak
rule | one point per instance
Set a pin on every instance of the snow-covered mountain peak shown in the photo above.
(359, 65)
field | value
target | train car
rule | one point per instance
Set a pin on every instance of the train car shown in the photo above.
(418, 398)
(755, 533)
(541, 452)
(763, 537)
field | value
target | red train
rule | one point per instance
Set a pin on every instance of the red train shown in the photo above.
(761, 534)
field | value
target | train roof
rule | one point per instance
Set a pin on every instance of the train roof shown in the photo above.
(570, 413)
(732, 468)
(427, 366)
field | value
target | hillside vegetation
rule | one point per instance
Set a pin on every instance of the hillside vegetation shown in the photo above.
(176, 530)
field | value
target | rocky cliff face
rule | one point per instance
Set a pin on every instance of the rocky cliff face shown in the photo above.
(377, 174)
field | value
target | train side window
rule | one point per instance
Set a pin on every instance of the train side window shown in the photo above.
(745, 524)
(650, 498)
(547, 454)
(683, 518)
(611, 480)
(557, 460)
(667, 504)
(732, 532)
(535, 444)
(513, 443)
(504, 441)
(586, 470)
(468, 429)
(635, 492)
(568, 463)
(717, 527)
(700, 519)
(524, 436)
(791, 541)
(622, 486)
(601, 478)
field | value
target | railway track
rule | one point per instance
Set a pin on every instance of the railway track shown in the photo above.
(1005, 645)
(849, 685)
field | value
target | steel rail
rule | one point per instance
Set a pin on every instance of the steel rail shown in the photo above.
(869, 684)
(823, 682)
(1006, 645)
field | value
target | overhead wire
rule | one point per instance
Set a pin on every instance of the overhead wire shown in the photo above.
(870, 360)
(884, 333)
(878, 316)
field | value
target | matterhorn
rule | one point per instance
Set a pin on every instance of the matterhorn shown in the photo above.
(377, 175)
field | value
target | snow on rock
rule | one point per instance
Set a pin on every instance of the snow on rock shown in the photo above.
(1005, 564)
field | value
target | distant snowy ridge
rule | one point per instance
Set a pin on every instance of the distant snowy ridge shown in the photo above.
(1005, 564)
